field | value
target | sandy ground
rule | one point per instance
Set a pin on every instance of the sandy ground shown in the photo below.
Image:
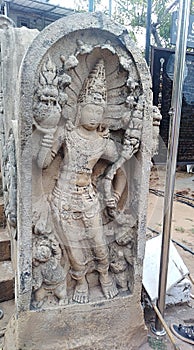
(182, 215)
(183, 232)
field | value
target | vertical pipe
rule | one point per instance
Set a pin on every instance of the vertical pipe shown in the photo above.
(175, 114)
(148, 31)
(6, 6)
(5, 9)
(91, 6)
(110, 8)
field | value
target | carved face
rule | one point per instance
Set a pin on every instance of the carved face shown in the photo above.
(43, 253)
(91, 116)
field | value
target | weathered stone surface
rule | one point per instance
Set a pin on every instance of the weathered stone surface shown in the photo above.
(6, 281)
(2, 215)
(83, 131)
(14, 43)
(8, 311)
(104, 325)
(5, 245)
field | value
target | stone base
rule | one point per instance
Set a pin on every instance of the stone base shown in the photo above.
(106, 325)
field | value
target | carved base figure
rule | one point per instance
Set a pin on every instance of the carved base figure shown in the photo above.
(48, 274)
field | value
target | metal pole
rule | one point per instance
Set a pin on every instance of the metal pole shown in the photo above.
(110, 8)
(5, 9)
(91, 5)
(148, 31)
(175, 113)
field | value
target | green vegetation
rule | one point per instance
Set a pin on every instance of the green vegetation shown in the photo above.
(180, 229)
(133, 14)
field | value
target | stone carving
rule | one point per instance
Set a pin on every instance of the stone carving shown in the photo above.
(122, 252)
(48, 274)
(50, 96)
(76, 205)
(6, 22)
(10, 180)
(84, 125)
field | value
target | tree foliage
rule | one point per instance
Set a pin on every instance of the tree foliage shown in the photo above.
(133, 14)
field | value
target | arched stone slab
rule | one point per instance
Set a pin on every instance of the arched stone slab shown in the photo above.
(82, 199)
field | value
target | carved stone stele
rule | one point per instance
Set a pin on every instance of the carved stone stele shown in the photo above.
(85, 146)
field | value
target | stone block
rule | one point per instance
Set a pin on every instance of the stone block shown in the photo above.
(109, 325)
(77, 203)
(6, 281)
(5, 245)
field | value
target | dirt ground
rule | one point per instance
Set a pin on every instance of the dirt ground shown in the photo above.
(182, 215)
(183, 232)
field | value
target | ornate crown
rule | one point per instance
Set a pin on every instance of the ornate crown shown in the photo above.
(94, 87)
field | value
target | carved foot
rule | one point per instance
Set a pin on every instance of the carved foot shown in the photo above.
(63, 302)
(61, 294)
(81, 294)
(39, 304)
(108, 286)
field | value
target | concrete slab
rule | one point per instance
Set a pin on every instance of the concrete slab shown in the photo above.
(177, 270)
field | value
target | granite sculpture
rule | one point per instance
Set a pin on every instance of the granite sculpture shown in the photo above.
(85, 131)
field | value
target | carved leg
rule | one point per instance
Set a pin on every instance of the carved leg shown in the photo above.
(61, 294)
(76, 254)
(78, 272)
(122, 280)
(108, 285)
(100, 249)
(40, 297)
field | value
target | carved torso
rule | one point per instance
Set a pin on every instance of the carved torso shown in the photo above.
(81, 154)
(74, 187)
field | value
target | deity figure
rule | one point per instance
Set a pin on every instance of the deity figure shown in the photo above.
(75, 201)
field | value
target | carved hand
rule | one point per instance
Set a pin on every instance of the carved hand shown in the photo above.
(130, 147)
(47, 141)
(46, 155)
(111, 203)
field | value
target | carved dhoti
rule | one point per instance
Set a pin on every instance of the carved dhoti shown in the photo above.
(81, 231)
